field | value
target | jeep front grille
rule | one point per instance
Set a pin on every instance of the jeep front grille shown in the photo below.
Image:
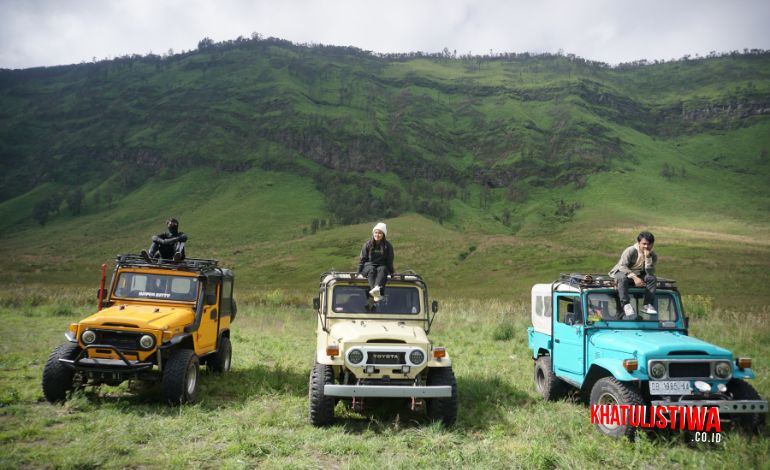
(118, 339)
(386, 357)
(689, 370)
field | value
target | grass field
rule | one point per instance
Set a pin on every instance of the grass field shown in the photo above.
(256, 416)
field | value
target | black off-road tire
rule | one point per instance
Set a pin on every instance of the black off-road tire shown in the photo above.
(57, 378)
(181, 377)
(220, 361)
(610, 391)
(747, 422)
(321, 406)
(443, 409)
(547, 384)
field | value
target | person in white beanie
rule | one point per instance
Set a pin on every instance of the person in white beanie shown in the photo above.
(376, 260)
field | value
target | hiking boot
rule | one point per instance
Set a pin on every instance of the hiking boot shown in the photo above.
(177, 256)
(649, 308)
(629, 312)
(146, 256)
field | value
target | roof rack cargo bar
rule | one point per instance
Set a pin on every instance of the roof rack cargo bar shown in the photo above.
(188, 264)
(584, 280)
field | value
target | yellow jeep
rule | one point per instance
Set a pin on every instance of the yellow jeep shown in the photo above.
(158, 322)
(366, 349)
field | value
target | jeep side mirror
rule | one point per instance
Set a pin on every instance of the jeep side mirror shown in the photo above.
(686, 323)
(316, 303)
(434, 306)
(101, 292)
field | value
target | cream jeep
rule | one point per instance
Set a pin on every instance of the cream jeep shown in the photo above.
(366, 349)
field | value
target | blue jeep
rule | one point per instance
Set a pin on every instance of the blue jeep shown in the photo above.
(579, 338)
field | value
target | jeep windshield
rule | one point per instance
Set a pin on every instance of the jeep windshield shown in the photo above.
(605, 307)
(144, 286)
(398, 300)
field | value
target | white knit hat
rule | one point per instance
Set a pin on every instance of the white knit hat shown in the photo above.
(381, 227)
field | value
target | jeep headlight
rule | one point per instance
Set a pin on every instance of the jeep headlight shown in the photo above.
(88, 337)
(355, 356)
(147, 341)
(722, 369)
(416, 357)
(657, 370)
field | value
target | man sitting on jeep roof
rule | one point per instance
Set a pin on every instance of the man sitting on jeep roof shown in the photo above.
(169, 245)
(637, 263)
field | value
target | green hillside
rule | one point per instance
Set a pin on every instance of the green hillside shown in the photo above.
(491, 172)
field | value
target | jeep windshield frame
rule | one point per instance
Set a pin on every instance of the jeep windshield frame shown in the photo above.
(146, 286)
(602, 309)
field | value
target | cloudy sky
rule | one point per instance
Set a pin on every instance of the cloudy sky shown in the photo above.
(54, 32)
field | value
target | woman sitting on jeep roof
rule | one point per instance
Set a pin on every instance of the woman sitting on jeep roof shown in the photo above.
(376, 260)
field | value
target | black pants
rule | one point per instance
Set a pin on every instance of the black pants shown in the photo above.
(166, 251)
(376, 274)
(650, 284)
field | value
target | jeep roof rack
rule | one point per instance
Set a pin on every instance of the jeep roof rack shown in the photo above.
(587, 280)
(408, 275)
(187, 264)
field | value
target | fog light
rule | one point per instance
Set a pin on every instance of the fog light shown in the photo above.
(657, 370)
(88, 337)
(369, 369)
(405, 369)
(355, 356)
(722, 388)
(147, 341)
(722, 369)
(702, 386)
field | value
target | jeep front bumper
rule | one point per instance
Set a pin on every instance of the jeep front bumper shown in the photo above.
(387, 391)
(114, 366)
(724, 406)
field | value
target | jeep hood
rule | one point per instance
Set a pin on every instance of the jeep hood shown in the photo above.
(654, 343)
(141, 316)
(364, 331)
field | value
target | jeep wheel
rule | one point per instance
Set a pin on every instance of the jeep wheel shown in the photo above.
(321, 406)
(609, 391)
(219, 362)
(548, 385)
(747, 422)
(57, 378)
(442, 409)
(180, 377)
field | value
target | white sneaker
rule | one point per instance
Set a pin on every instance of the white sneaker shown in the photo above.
(649, 309)
(375, 293)
(630, 313)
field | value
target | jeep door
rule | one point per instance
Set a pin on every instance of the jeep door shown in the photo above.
(209, 327)
(568, 358)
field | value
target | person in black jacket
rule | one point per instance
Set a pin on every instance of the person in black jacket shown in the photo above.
(167, 245)
(376, 260)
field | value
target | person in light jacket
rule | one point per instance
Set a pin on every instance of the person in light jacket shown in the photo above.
(376, 260)
(637, 265)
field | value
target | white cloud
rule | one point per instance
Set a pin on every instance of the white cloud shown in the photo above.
(50, 32)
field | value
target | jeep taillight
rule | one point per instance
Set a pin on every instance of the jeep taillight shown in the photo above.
(743, 362)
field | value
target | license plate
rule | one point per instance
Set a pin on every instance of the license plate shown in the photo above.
(674, 387)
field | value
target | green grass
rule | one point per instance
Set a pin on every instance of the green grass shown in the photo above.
(256, 416)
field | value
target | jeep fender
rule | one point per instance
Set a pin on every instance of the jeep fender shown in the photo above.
(445, 361)
(605, 367)
(742, 374)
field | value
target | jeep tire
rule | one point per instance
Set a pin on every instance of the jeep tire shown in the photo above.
(219, 362)
(321, 406)
(747, 422)
(442, 409)
(181, 375)
(610, 391)
(58, 378)
(546, 383)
